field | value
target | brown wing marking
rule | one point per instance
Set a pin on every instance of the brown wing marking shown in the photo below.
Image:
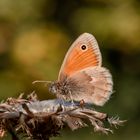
(94, 85)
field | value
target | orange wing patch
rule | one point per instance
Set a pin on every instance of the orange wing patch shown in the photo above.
(77, 59)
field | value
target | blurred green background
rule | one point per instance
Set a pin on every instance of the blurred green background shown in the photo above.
(35, 35)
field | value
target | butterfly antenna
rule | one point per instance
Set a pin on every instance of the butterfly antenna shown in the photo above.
(41, 81)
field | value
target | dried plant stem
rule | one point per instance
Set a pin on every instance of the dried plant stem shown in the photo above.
(44, 119)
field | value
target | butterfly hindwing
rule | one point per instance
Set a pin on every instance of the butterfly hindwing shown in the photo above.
(93, 85)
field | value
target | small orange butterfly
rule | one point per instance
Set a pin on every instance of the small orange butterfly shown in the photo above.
(81, 76)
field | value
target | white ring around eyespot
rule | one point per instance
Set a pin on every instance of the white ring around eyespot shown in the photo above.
(83, 45)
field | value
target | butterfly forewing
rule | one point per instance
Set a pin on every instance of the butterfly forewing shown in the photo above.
(78, 57)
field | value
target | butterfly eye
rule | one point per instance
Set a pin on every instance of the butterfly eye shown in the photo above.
(83, 47)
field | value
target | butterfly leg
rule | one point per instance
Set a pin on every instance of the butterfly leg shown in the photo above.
(72, 102)
(82, 103)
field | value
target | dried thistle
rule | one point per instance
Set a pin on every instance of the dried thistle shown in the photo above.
(44, 119)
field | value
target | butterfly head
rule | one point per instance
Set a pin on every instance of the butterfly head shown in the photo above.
(54, 87)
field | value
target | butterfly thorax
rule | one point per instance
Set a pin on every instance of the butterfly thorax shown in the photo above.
(63, 88)
(59, 88)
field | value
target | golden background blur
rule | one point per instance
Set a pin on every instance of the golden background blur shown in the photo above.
(35, 35)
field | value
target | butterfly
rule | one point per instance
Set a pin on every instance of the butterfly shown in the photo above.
(81, 76)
